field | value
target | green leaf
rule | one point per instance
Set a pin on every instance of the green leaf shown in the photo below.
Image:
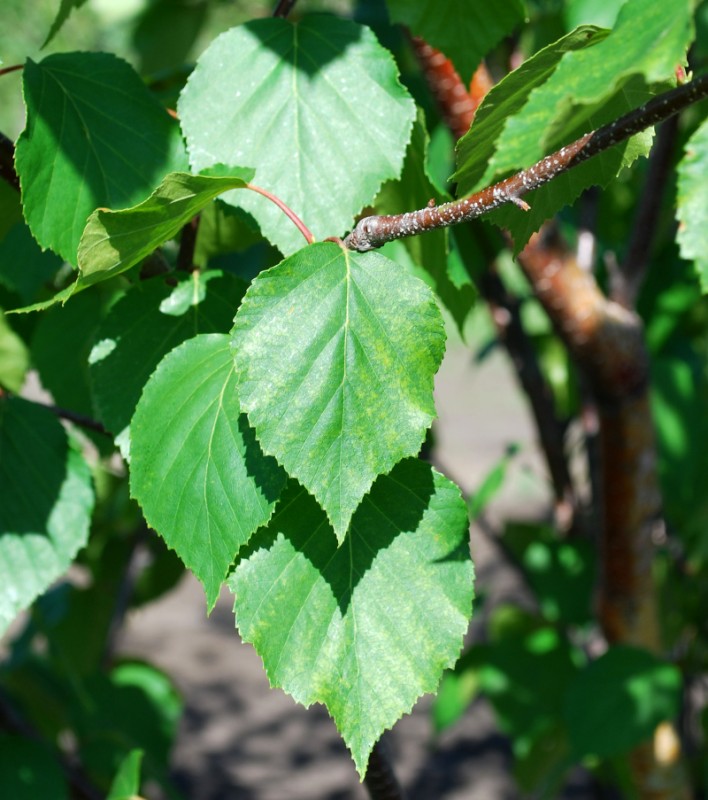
(126, 784)
(618, 701)
(114, 241)
(335, 354)
(465, 31)
(196, 467)
(60, 348)
(46, 502)
(326, 128)
(14, 358)
(142, 327)
(24, 268)
(95, 137)
(692, 203)
(588, 88)
(65, 9)
(476, 149)
(491, 484)
(28, 771)
(366, 627)
(430, 253)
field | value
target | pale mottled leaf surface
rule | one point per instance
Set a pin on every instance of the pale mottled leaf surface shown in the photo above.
(335, 354)
(46, 500)
(314, 106)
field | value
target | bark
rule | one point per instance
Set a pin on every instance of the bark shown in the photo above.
(607, 342)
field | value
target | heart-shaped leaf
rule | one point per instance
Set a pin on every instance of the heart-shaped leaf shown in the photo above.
(335, 353)
(314, 106)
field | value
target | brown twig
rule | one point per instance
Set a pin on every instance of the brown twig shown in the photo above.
(283, 8)
(380, 779)
(11, 68)
(7, 162)
(375, 231)
(458, 106)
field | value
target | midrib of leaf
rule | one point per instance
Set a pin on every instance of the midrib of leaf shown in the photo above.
(205, 496)
(345, 354)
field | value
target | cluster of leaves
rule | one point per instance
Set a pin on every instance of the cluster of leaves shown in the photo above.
(270, 402)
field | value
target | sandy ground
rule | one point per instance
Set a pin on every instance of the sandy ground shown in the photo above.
(241, 740)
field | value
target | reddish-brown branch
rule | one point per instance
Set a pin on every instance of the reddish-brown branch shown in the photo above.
(607, 342)
(372, 232)
(457, 104)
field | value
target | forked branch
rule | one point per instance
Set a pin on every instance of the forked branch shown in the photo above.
(373, 232)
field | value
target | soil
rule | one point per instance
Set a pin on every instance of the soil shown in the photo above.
(241, 740)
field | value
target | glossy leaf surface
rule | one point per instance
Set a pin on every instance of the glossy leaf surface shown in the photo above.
(196, 467)
(368, 626)
(94, 137)
(143, 326)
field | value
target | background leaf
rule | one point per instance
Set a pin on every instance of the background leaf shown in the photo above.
(335, 353)
(95, 136)
(692, 203)
(28, 771)
(331, 127)
(366, 627)
(114, 241)
(196, 467)
(625, 684)
(126, 784)
(46, 500)
(465, 31)
(142, 327)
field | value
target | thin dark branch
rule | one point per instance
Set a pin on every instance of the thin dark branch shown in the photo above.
(283, 8)
(7, 162)
(372, 232)
(78, 419)
(523, 356)
(380, 779)
(641, 243)
(187, 243)
(11, 68)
